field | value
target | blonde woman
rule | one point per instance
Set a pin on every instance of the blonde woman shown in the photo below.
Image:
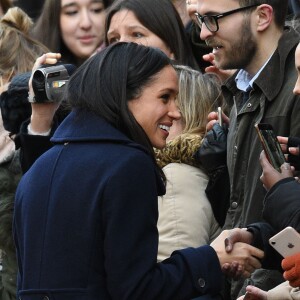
(186, 218)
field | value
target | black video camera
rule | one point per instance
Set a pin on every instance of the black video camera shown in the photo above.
(49, 82)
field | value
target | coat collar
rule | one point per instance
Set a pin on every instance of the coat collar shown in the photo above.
(86, 126)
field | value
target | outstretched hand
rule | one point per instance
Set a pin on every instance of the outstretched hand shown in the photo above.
(223, 74)
(254, 293)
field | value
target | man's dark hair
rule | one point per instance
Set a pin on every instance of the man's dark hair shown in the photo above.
(280, 8)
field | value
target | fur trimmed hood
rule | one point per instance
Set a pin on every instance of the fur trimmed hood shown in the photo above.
(180, 150)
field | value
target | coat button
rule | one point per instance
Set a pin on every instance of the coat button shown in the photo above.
(249, 105)
(234, 205)
(201, 282)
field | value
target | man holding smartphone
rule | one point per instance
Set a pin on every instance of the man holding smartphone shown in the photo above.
(249, 35)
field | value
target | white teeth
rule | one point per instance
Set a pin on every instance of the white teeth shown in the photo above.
(216, 48)
(167, 128)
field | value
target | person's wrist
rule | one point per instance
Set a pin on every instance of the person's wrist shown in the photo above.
(40, 124)
(32, 132)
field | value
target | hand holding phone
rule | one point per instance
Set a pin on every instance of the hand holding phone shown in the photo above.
(270, 145)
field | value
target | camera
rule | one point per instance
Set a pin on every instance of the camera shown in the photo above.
(49, 82)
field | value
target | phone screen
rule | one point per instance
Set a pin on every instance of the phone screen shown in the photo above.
(270, 145)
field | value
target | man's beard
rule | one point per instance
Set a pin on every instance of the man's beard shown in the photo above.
(241, 52)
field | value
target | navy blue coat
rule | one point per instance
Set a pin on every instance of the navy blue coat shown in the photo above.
(85, 223)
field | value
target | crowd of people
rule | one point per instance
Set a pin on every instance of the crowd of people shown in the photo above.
(132, 185)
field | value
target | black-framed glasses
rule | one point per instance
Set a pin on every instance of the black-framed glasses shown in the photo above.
(211, 21)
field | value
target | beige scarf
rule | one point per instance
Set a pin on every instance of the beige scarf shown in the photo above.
(7, 145)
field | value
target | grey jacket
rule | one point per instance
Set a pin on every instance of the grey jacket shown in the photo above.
(271, 101)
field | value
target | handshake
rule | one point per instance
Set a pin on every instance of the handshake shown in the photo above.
(237, 257)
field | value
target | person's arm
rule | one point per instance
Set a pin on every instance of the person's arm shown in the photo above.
(130, 215)
(35, 133)
(32, 146)
(281, 204)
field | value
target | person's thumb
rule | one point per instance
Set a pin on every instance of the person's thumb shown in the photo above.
(286, 170)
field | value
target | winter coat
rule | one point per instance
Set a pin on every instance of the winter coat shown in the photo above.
(282, 205)
(271, 101)
(85, 223)
(185, 215)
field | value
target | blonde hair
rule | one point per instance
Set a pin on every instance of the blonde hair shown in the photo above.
(18, 50)
(198, 95)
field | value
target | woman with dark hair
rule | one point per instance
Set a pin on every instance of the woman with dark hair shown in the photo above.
(75, 29)
(86, 211)
(152, 23)
(146, 21)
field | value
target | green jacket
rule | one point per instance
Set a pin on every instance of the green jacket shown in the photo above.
(10, 174)
(271, 101)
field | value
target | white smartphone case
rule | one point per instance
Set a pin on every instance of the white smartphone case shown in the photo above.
(286, 242)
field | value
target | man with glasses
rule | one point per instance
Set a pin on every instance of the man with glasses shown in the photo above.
(249, 36)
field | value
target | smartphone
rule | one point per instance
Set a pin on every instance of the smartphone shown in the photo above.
(286, 242)
(270, 145)
(220, 116)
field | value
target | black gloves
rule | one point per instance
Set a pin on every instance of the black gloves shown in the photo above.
(212, 152)
(212, 156)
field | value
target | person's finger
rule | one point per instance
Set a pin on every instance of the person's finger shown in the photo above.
(282, 139)
(225, 118)
(284, 148)
(210, 125)
(253, 263)
(294, 150)
(233, 270)
(256, 293)
(211, 69)
(209, 57)
(264, 162)
(286, 170)
(237, 235)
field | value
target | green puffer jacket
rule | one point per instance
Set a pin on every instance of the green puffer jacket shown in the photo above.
(10, 174)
